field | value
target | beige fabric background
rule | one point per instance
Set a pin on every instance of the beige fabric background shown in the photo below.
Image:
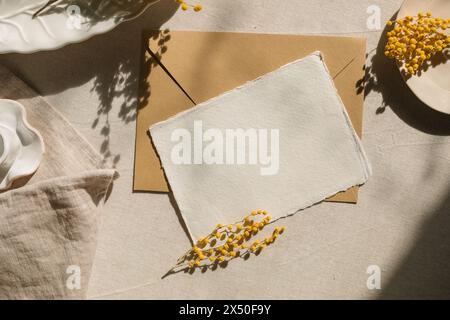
(401, 222)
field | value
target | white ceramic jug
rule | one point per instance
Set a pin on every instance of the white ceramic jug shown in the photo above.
(21, 146)
(10, 148)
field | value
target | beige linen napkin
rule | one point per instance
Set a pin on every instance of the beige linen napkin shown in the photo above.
(48, 227)
(48, 236)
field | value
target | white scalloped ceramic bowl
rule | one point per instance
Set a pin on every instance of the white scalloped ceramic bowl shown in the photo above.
(21, 146)
(19, 32)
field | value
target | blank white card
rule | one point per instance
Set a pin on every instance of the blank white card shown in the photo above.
(281, 143)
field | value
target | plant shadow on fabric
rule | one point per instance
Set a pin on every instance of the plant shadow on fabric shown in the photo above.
(382, 76)
(110, 61)
(122, 82)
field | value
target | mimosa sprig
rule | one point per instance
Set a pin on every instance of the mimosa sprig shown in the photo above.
(227, 242)
(414, 40)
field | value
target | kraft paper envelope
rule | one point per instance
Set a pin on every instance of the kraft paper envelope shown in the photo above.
(314, 151)
(201, 65)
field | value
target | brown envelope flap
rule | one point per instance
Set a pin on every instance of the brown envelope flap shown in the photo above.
(206, 64)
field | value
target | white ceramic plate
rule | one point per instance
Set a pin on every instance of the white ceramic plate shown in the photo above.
(432, 86)
(66, 22)
(21, 146)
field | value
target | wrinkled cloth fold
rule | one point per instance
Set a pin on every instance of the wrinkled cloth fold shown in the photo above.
(48, 236)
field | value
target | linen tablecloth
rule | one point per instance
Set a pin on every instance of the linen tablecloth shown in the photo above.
(400, 223)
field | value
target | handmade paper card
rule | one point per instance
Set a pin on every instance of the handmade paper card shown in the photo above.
(282, 142)
(215, 62)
